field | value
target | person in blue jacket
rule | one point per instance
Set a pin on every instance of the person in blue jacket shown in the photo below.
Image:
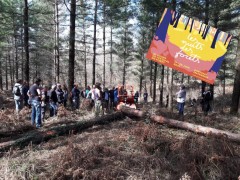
(115, 94)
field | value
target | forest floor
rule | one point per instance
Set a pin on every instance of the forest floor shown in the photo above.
(126, 149)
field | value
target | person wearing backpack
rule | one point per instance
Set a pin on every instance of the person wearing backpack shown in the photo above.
(25, 89)
(60, 94)
(18, 95)
(207, 97)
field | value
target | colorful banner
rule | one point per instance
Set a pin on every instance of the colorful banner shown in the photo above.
(189, 46)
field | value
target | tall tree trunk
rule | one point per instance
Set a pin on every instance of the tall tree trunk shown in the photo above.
(182, 78)
(85, 54)
(236, 93)
(15, 54)
(206, 20)
(170, 94)
(151, 64)
(155, 82)
(142, 61)
(6, 72)
(56, 49)
(82, 11)
(224, 79)
(167, 78)
(1, 78)
(26, 40)
(162, 77)
(216, 19)
(125, 51)
(111, 53)
(104, 43)
(94, 42)
(161, 86)
(22, 54)
(10, 68)
(72, 45)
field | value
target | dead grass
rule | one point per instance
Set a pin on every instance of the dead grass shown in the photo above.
(126, 150)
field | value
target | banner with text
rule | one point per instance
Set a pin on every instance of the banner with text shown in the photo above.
(189, 46)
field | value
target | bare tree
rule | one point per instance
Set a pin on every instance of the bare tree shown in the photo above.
(72, 45)
(26, 40)
(94, 41)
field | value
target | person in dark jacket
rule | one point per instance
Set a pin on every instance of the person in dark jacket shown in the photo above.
(60, 94)
(65, 95)
(115, 97)
(25, 95)
(136, 96)
(76, 96)
(111, 98)
(145, 96)
(207, 97)
(53, 99)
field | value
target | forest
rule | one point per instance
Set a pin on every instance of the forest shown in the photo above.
(105, 42)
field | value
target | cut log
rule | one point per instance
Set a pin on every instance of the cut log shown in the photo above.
(208, 131)
(38, 136)
(133, 112)
(197, 128)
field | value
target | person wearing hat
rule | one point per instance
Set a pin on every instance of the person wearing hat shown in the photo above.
(35, 99)
(181, 98)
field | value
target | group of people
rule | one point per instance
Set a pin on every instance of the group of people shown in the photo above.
(43, 98)
(205, 101)
(39, 98)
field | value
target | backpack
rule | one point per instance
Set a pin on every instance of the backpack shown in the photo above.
(90, 95)
(17, 91)
(82, 94)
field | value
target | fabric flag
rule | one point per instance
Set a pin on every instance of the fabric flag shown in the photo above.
(189, 46)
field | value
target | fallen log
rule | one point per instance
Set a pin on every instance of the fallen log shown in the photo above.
(133, 112)
(41, 135)
(208, 131)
